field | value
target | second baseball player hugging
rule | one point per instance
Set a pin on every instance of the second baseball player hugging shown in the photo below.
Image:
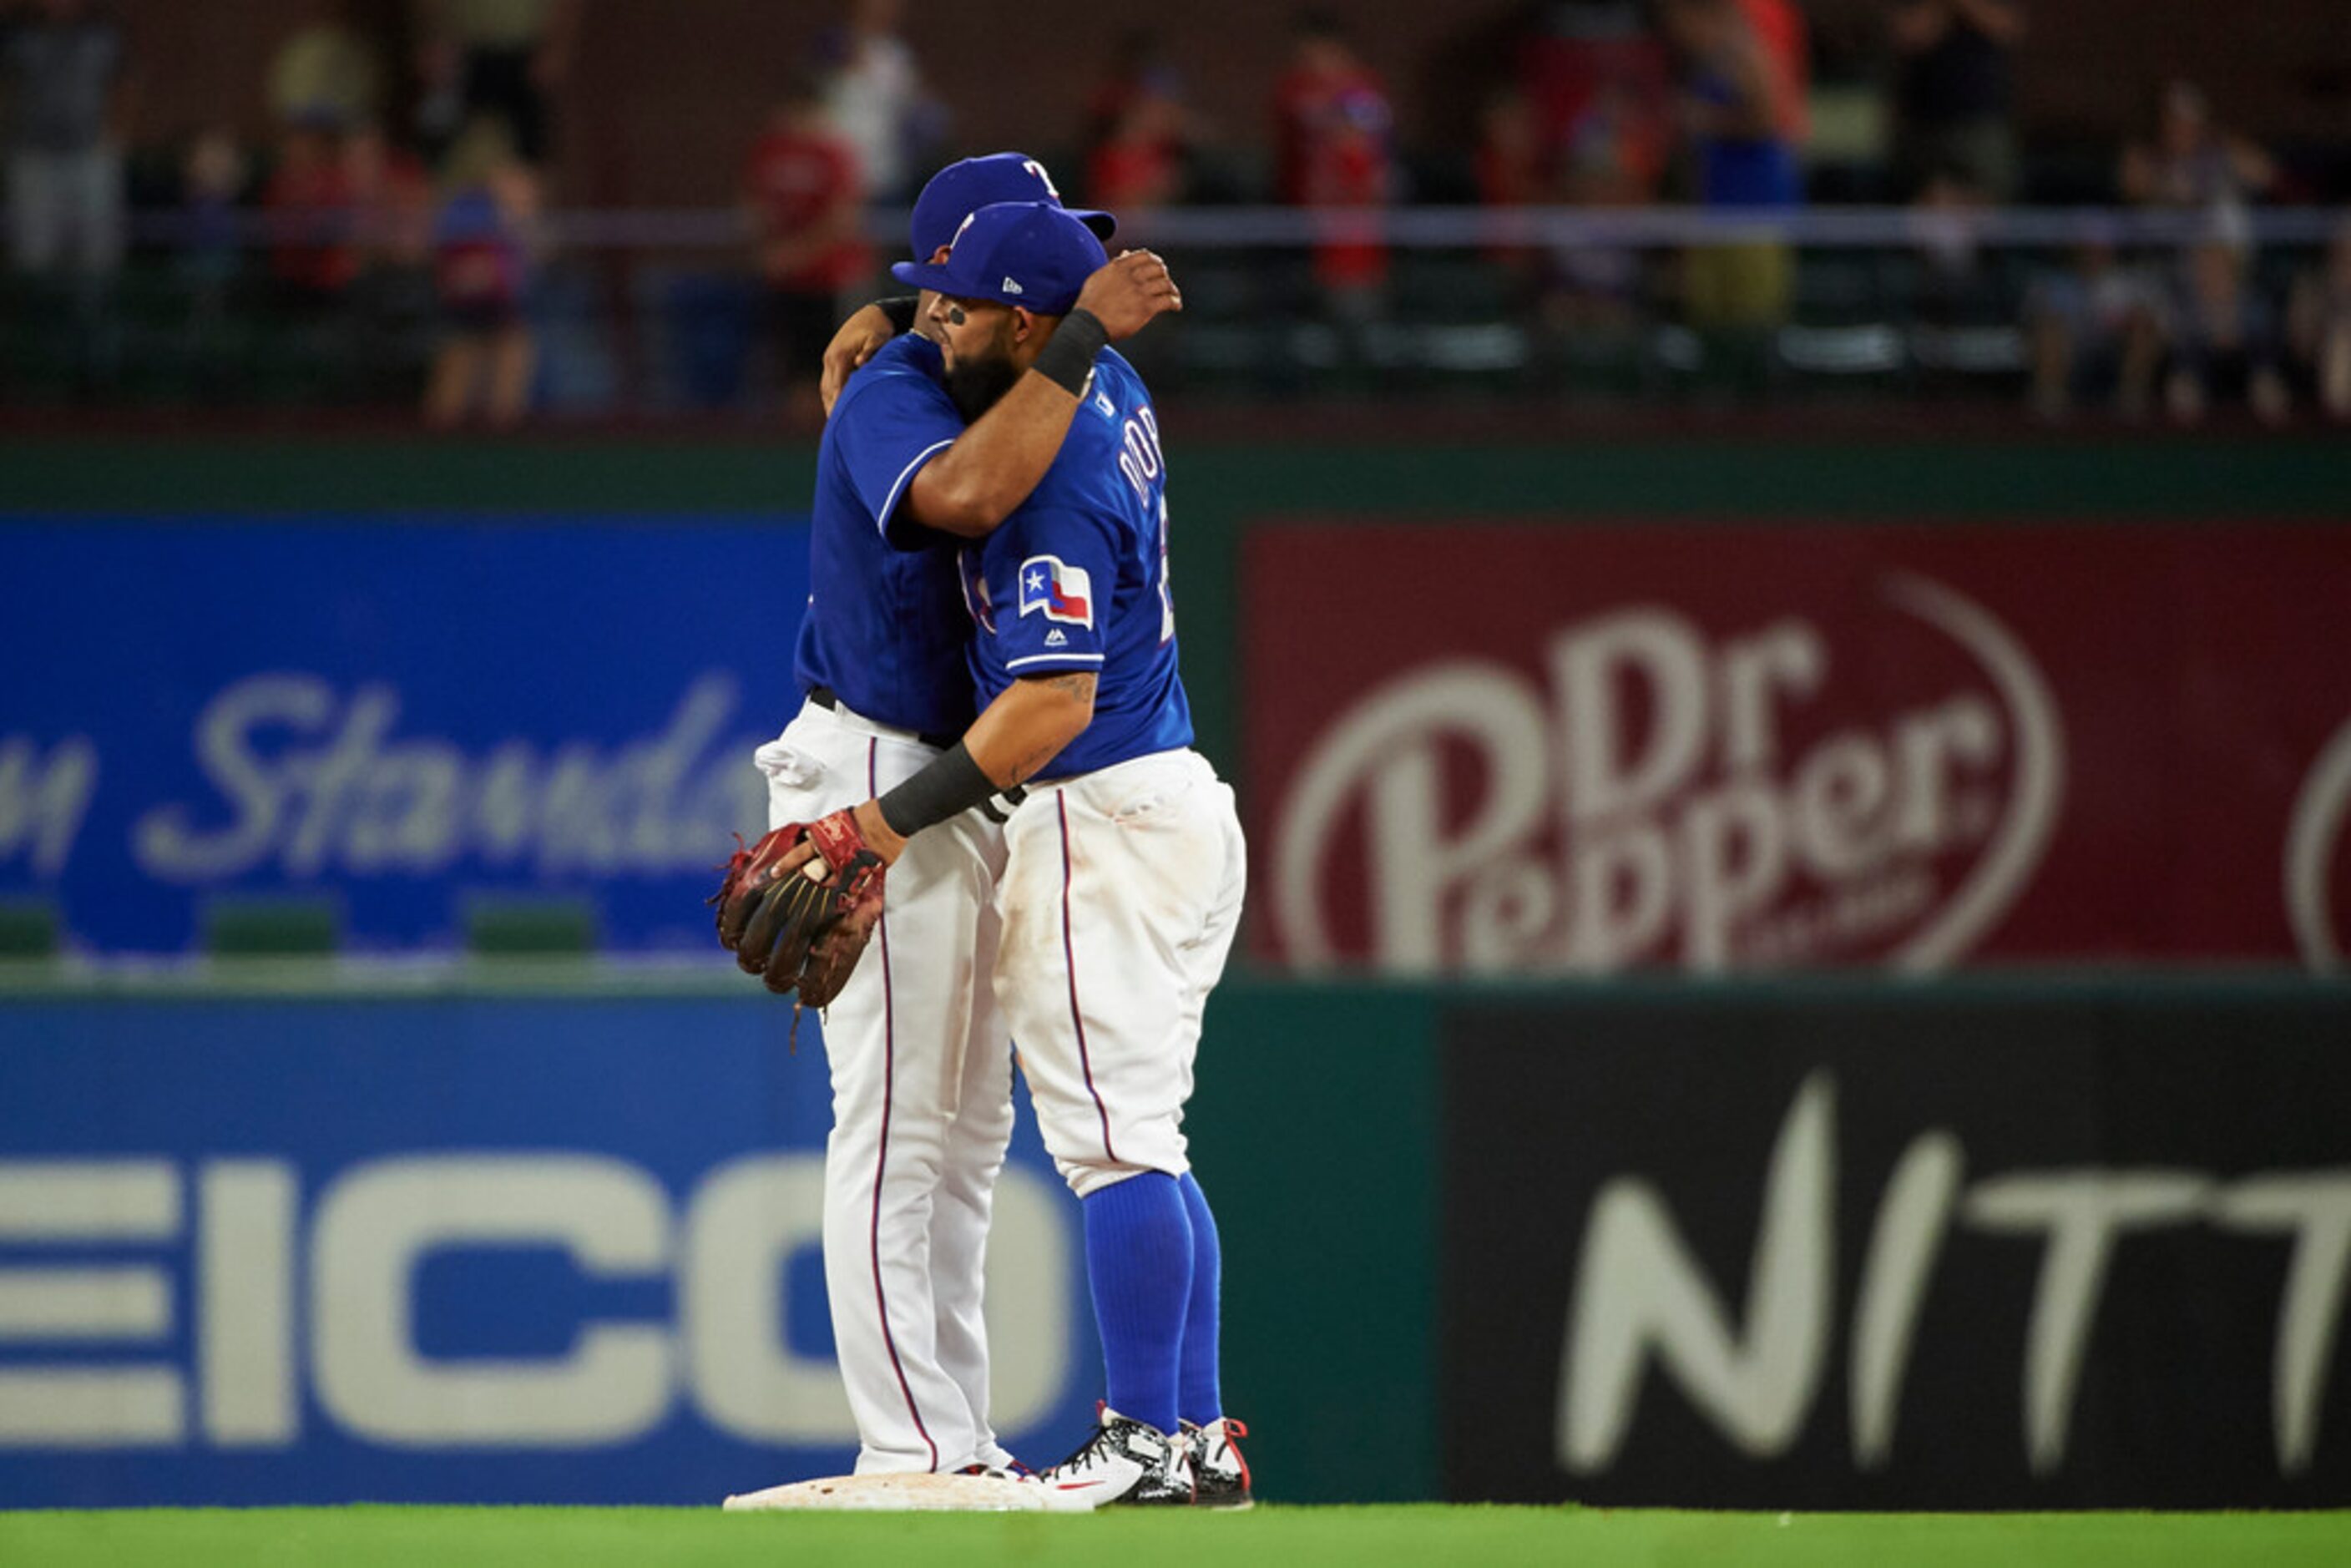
(1124, 867)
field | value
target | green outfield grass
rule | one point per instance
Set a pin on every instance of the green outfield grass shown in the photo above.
(1290, 1537)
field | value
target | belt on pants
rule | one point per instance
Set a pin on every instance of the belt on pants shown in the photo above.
(826, 697)
(997, 808)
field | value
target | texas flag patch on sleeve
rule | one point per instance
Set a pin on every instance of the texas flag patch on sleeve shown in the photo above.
(1061, 592)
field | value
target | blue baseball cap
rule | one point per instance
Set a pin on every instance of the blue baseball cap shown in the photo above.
(961, 189)
(1036, 254)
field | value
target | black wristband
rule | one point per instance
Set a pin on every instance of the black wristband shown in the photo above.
(1068, 357)
(901, 310)
(946, 785)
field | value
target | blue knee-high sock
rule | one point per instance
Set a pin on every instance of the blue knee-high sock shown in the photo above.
(1139, 1262)
(1199, 1399)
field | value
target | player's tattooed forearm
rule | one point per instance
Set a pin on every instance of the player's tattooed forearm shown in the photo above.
(1025, 767)
(1078, 686)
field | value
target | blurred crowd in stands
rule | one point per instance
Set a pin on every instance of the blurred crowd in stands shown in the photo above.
(396, 236)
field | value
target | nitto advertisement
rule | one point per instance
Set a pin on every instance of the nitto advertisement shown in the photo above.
(1588, 751)
(512, 1251)
(1834, 1249)
(389, 719)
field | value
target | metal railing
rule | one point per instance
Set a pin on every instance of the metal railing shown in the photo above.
(1230, 228)
(656, 313)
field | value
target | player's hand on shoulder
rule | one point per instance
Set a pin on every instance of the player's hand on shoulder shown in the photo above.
(860, 339)
(1128, 291)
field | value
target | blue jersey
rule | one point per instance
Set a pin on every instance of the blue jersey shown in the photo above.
(1077, 580)
(886, 628)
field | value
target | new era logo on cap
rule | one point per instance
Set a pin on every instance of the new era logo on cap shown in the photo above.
(1011, 287)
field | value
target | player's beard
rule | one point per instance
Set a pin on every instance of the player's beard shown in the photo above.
(976, 384)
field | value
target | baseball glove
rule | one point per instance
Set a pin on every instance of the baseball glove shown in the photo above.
(801, 931)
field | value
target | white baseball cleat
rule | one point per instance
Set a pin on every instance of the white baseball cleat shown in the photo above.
(1010, 1470)
(1125, 1463)
(1220, 1477)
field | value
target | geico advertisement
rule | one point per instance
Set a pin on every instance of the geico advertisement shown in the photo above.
(1573, 749)
(1963, 1249)
(490, 1250)
(388, 718)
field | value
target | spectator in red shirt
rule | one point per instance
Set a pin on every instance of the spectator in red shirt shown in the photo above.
(1514, 170)
(1327, 93)
(1140, 164)
(1601, 85)
(1333, 127)
(1514, 165)
(313, 258)
(806, 193)
(1596, 82)
(1139, 69)
(1138, 130)
(1781, 29)
(392, 195)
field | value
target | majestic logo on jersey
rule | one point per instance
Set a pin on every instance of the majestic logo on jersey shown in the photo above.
(1061, 592)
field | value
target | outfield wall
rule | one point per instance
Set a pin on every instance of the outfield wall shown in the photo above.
(1218, 489)
(1983, 1244)
(1911, 705)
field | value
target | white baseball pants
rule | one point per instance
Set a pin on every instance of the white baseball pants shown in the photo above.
(1121, 894)
(922, 1110)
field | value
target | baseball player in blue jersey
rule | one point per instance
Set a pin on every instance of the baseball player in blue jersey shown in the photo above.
(919, 1056)
(1124, 868)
